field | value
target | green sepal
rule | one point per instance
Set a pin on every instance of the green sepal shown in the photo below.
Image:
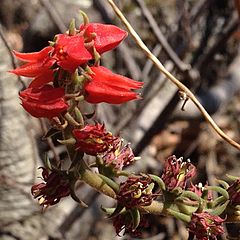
(110, 182)
(136, 217)
(220, 209)
(223, 183)
(231, 178)
(51, 132)
(218, 201)
(181, 216)
(72, 28)
(219, 190)
(159, 181)
(85, 18)
(69, 141)
(191, 195)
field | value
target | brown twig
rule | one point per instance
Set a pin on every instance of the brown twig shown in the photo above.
(173, 79)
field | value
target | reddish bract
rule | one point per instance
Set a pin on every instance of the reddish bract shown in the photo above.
(106, 86)
(70, 52)
(44, 101)
(107, 36)
(93, 139)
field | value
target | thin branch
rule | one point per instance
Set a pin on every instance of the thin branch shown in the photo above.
(174, 80)
(13, 61)
(181, 66)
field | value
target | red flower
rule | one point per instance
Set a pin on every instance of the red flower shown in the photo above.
(93, 139)
(206, 226)
(44, 101)
(70, 52)
(56, 185)
(109, 87)
(119, 157)
(176, 173)
(38, 66)
(136, 191)
(107, 36)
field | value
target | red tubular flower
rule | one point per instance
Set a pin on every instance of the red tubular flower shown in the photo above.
(44, 101)
(109, 87)
(206, 226)
(93, 139)
(70, 52)
(234, 192)
(176, 173)
(56, 185)
(107, 36)
(136, 191)
(38, 66)
(119, 157)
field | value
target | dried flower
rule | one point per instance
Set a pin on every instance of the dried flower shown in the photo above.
(44, 101)
(106, 37)
(56, 185)
(136, 191)
(106, 86)
(176, 173)
(234, 192)
(93, 139)
(119, 157)
(206, 226)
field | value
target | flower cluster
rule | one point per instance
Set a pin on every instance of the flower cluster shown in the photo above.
(59, 65)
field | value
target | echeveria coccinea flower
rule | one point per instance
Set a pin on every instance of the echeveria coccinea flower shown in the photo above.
(44, 101)
(38, 66)
(107, 36)
(93, 139)
(106, 86)
(70, 52)
(56, 185)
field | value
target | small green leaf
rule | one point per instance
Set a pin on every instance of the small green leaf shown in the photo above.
(220, 209)
(219, 190)
(159, 181)
(110, 182)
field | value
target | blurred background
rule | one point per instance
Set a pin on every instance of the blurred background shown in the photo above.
(196, 40)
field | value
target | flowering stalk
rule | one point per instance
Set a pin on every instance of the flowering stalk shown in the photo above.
(66, 75)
